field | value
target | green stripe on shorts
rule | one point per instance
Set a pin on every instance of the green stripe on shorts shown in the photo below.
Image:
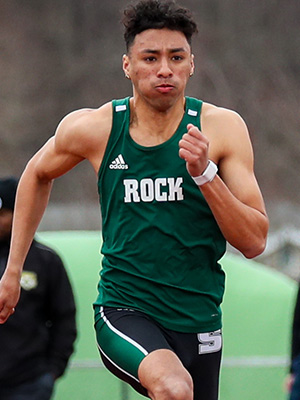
(118, 348)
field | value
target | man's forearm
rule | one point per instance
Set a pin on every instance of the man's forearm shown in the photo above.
(31, 201)
(243, 226)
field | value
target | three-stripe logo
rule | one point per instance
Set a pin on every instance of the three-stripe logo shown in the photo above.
(118, 163)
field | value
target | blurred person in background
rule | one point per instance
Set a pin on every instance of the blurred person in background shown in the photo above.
(38, 340)
(293, 380)
(176, 181)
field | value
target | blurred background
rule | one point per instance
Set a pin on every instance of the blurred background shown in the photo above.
(61, 55)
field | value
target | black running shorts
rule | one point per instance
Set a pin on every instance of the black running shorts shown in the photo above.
(126, 336)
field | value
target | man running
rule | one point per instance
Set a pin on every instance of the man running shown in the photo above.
(176, 181)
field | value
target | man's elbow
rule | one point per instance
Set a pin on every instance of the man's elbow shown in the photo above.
(257, 243)
(255, 249)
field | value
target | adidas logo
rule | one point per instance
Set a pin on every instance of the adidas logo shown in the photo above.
(118, 163)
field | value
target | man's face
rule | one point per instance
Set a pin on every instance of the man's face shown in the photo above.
(6, 217)
(159, 64)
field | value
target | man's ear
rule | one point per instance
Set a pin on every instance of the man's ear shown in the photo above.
(192, 65)
(125, 60)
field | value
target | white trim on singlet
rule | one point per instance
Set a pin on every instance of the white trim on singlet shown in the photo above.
(121, 107)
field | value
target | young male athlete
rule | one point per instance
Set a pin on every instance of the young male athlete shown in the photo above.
(176, 182)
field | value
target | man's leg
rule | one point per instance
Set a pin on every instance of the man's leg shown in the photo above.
(164, 376)
(201, 355)
(133, 348)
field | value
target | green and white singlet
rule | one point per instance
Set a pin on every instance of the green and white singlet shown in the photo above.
(161, 243)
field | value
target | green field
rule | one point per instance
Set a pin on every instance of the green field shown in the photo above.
(257, 309)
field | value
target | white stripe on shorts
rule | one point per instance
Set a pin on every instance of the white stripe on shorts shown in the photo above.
(123, 336)
(117, 366)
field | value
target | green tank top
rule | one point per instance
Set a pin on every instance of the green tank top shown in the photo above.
(161, 243)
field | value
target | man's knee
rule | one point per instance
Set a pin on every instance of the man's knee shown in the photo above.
(173, 388)
(164, 376)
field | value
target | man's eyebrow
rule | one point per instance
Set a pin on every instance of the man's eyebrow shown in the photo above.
(178, 50)
(175, 50)
(150, 51)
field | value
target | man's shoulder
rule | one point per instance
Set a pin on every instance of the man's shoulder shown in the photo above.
(221, 119)
(92, 123)
(87, 119)
(84, 132)
(210, 110)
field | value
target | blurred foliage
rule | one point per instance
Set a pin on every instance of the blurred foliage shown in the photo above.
(62, 55)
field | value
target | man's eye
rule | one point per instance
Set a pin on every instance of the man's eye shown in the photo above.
(177, 58)
(150, 59)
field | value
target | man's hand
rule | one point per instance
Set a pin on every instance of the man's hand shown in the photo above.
(193, 148)
(289, 381)
(9, 295)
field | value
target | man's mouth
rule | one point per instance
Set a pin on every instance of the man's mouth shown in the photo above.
(164, 87)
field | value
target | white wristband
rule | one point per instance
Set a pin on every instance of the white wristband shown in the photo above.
(208, 175)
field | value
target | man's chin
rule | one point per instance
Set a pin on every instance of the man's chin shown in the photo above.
(164, 102)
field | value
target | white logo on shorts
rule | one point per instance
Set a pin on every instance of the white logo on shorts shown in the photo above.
(210, 342)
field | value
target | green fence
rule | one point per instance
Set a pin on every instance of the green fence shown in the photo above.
(257, 309)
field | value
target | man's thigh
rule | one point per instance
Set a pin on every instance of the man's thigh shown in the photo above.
(125, 337)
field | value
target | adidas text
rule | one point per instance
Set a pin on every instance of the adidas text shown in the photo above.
(118, 166)
(118, 163)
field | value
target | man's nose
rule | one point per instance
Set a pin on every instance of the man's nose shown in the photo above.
(164, 69)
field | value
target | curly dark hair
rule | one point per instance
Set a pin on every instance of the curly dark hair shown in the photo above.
(155, 14)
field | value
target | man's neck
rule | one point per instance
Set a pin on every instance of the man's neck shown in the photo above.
(150, 126)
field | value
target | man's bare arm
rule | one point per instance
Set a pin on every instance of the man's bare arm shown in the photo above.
(81, 135)
(233, 196)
